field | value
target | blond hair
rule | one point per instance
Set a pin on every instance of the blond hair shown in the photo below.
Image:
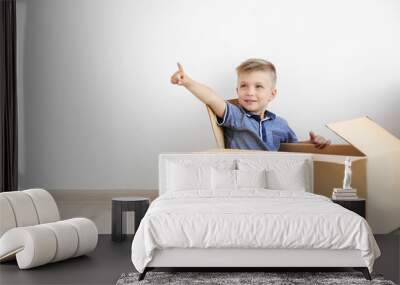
(257, 64)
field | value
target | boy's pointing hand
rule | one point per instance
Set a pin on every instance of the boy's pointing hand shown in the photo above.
(179, 77)
(319, 141)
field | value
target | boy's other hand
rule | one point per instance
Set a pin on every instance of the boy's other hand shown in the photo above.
(319, 141)
(179, 77)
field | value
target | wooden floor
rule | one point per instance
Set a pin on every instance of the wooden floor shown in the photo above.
(111, 259)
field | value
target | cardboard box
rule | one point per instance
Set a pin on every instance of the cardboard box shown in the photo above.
(375, 156)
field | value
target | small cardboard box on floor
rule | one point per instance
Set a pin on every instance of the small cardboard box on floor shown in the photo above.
(375, 156)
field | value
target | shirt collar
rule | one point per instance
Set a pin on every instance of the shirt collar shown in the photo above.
(267, 115)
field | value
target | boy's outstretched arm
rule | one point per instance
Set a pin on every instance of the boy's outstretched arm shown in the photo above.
(204, 93)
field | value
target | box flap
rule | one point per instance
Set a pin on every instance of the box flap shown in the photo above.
(366, 135)
(333, 149)
(338, 159)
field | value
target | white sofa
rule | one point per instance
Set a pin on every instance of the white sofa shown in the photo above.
(32, 233)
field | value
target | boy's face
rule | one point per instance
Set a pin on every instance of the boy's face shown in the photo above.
(255, 91)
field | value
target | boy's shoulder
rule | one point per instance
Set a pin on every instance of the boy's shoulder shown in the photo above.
(281, 120)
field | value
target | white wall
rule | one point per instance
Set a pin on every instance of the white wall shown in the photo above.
(96, 106)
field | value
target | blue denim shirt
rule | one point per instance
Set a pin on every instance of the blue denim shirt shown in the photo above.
(244, 130)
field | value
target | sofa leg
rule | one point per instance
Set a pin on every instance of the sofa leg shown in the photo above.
(364, 271)
(143, 274)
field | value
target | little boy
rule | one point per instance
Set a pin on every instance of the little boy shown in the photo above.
(249, 125)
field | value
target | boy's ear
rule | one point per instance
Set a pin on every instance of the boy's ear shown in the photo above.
(274, 92)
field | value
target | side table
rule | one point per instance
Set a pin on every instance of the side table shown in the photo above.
(123, 204)
(357, 205)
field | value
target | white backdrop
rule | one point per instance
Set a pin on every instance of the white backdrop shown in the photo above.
(96, 106)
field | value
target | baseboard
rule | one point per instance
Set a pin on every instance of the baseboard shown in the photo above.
(95, 205)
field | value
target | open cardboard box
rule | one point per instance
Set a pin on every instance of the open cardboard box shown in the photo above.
(375, 155)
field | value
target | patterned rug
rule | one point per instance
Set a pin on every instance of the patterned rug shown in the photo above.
(270, 278)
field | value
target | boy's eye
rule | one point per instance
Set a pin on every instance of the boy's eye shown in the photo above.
(259, 86)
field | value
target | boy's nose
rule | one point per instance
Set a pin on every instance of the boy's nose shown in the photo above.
(251, 92)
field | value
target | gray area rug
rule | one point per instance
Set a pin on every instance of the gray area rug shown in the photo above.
(274, 278)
